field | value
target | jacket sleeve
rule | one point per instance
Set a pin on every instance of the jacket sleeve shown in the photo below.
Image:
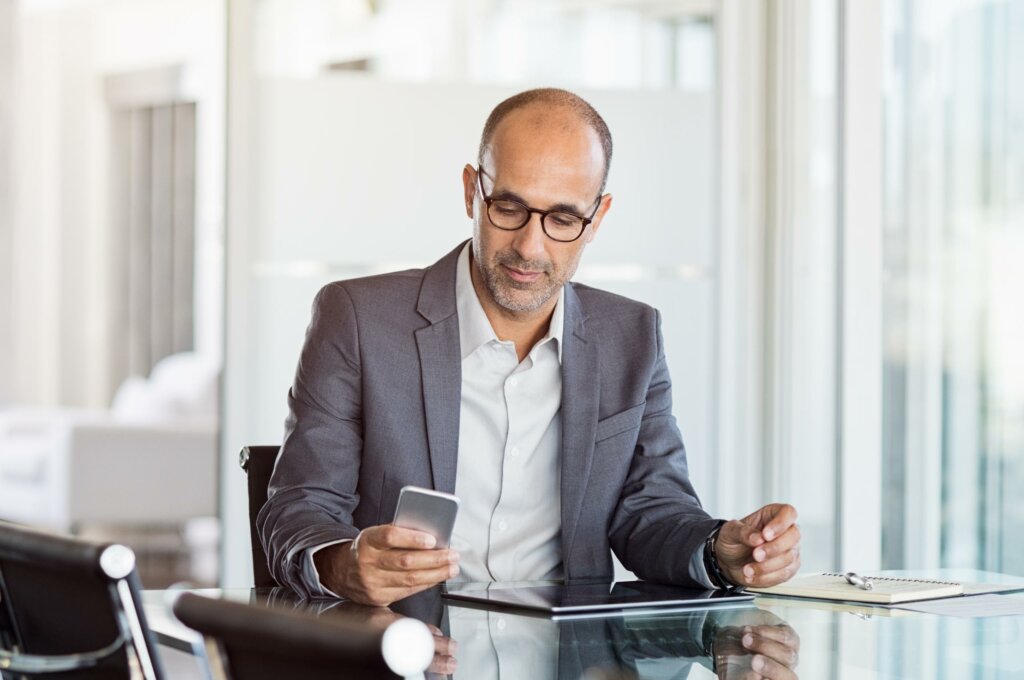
(659, 524)
(313, 490)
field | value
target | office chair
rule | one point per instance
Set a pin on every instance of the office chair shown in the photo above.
(255, 642)
(258, 463)
(71, 607)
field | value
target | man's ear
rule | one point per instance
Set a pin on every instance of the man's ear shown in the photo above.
(469, 188)
(606, 204)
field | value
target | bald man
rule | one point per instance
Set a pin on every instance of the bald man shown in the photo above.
(545, 405)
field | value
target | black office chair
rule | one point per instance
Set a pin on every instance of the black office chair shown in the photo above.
(256, 642)
(71, 608)
(258, 463)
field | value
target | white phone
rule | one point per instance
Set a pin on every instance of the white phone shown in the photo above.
(427, 510)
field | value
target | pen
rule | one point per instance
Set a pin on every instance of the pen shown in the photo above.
(859, 581)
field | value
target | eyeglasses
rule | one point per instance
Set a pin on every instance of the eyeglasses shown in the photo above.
(510, 215)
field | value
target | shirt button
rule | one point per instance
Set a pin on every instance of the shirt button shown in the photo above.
(512, 382)
(501, 624)
(502, 525)
(514, 452)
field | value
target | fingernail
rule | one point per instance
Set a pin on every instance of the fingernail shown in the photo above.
(757, 663)
(759, 555)
(453, 571)
(748, 572)
(769, 534)
(428, 541)
(748, 640)
(453, 557)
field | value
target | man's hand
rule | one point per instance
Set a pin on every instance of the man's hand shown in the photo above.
(379, 618)
(761, 650)
(762, 549)
(384, 564)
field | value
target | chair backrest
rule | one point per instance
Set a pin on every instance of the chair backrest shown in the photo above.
(257, 642)
(258, 463)
(71, 607)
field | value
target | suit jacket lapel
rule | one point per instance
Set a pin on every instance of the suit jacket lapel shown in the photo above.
(580, 396)
(441, 368)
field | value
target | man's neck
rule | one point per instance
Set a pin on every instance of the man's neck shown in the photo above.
(525, 329)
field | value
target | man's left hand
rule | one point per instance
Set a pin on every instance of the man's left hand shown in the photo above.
(762, 549)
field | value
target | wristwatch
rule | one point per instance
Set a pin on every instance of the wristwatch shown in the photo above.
(718, 579)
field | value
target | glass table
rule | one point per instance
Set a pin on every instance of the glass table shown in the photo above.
(809, 638)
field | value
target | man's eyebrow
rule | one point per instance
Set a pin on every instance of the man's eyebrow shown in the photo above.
(506, 195)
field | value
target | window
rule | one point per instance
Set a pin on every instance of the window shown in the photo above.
(953, 285)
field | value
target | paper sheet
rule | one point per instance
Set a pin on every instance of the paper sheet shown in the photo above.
(970, 607)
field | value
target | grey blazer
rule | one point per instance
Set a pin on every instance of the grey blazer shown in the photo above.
(375, 406)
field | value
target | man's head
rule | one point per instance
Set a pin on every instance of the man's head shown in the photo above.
(548, 150)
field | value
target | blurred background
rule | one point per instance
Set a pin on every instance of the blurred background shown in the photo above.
(824, 198)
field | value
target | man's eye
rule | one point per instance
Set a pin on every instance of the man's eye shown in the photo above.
(563, 220)
(506, 209)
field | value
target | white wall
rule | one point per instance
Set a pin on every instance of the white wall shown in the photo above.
(347, 175)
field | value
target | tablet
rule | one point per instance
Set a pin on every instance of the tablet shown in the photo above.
(589, 596)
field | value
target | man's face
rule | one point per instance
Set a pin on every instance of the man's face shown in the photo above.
(546, 160)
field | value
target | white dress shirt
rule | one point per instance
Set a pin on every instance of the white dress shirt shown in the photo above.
(509, 526)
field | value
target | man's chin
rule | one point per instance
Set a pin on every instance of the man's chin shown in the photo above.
(516, 301)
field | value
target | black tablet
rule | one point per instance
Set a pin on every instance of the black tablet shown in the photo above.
(581, 597)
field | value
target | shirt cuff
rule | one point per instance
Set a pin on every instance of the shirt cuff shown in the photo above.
(310, 574)
(697, 570)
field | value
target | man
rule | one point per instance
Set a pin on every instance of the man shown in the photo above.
(544, 405)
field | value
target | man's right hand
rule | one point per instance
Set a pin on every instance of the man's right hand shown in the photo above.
(385, 564)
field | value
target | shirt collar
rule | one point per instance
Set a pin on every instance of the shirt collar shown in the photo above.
(475, 329)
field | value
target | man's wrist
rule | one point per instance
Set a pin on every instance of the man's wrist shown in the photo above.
(330, 564)
(711, 565)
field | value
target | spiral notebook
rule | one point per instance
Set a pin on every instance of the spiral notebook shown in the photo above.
(885, 589)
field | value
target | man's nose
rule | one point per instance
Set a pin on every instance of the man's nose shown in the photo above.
(530, 240)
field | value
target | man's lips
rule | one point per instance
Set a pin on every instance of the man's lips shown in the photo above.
(520, 275)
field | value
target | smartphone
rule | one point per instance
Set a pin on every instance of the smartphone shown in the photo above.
(427, 510)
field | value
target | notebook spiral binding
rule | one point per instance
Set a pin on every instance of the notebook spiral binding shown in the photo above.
(901, 580)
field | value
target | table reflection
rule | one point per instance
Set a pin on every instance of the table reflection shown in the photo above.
(730, 643)
(836, 640)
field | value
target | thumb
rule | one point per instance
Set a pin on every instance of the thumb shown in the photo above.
(741, 532)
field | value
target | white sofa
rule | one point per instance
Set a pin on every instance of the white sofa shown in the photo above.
(150, 459)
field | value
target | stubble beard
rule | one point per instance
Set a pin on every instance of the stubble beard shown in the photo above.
(516, 296)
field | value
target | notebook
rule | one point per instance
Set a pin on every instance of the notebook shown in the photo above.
(885, 590)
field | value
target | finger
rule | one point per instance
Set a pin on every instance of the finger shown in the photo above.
(776, 651)
(411, 560)
(782, 517)
(390, 536)
(789, 539)
(445, 646)
(767, 579)
(769, 668)
(741, 533)
(443, 665)
(782, 634)
(401, 585)
(418, 579)
(777, 563)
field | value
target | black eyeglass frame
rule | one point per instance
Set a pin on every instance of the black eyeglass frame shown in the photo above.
(489, 200)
